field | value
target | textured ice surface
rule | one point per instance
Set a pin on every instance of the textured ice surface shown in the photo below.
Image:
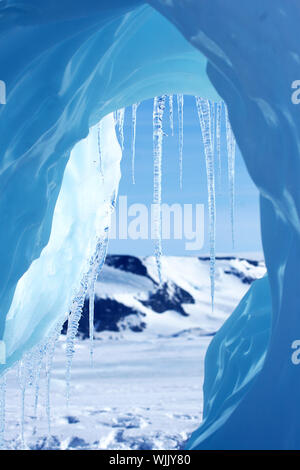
(85, 197)
(244, 44)
(71, 70)
(68, 64)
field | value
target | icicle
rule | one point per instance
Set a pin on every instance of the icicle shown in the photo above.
(203, 108)
(99, 129)
(73, 322)
(37, 390)
(2, 409)
(218, 140)
(231, 169)
(50, 349)
(91, 320)
(97, 263)
(87, 285)
(134, 111)
(22, 385)
(120, 123)
(180, 125)
(158, 111)
(171, 114)
(33, 361)
(212, 124)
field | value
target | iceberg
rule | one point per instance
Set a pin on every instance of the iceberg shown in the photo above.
(67, 66)
(75, 73)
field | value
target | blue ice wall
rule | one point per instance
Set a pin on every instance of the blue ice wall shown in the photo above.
(254, 56)
(66, 64)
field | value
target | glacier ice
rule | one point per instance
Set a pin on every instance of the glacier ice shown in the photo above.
(65, 69)
(239, 348)
(70, 244)
(62, 110)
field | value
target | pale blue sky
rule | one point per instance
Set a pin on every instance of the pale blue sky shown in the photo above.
(247, 228)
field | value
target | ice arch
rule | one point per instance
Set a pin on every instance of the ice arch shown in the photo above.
(66, 65)
(254, 57)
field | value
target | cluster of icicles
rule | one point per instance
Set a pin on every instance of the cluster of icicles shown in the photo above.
(210, 119)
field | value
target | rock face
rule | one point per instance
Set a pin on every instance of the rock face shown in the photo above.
(128, 297)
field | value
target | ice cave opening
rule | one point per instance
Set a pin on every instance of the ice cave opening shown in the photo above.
(87, 174)
(251, 384)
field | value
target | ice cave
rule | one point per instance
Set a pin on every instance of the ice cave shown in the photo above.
(69, 69)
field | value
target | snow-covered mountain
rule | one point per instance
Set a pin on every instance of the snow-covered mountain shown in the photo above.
(129, 298)
(144, 390)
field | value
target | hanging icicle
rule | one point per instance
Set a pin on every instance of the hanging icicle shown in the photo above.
(218, 141)
(158, 111)
(231, 146)
(73, 322)
(2, 409)
(87, 285)
(204, 113)
(91, 320)
(22, 386)
(180, 126)
(212, 124)
(50, 349)
(99, 137)
(40, 356)
(26, 377)
(134, 111)
(171, 114)
(97, 263)
(120, 125)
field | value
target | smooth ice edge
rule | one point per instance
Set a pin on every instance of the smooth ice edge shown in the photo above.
(81, 215)
(239, 348)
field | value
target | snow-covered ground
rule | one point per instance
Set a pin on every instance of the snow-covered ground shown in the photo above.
(144, 390)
